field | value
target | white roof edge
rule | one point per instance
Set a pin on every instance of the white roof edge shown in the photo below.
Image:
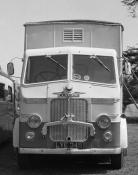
(61, 50)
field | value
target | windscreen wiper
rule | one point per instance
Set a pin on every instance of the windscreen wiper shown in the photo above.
(50, 57)
(94, 57)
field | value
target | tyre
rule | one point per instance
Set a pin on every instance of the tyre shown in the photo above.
(24, 161)
(117, 161)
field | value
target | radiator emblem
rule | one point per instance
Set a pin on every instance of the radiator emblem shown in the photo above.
(68, 93)
(67, 117)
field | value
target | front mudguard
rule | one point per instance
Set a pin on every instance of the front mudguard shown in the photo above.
(123, 134)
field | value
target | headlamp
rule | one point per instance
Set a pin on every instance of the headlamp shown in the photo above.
(34, 121)
(103, 121)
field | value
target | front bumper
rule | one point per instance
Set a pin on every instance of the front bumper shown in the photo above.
(75, 151)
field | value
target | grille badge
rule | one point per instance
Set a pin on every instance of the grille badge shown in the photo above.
(67, 117)
(67, 92)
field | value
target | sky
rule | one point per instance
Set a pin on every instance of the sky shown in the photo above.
(14, 13)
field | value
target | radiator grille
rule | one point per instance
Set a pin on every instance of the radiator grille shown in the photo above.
(61, 132)
(78, 108)
(75, 132)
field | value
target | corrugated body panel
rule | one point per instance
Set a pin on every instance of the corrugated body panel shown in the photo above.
(40, 36)
(95, 35)
(106, 37)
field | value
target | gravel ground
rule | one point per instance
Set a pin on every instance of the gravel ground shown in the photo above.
(8, 165)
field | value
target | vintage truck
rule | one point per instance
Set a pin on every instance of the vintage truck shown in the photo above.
(70, 97)
(7, 107)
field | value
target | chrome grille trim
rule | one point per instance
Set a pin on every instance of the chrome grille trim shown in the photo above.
(61, 130)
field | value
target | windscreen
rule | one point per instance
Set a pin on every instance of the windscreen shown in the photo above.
(94, 68)
(46, 68)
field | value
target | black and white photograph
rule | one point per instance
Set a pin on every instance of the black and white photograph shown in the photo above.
(68, 87)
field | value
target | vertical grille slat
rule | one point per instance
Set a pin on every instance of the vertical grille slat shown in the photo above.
(78, 108)
(75, 132)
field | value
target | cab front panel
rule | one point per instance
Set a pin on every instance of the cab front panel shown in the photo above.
(66, 134)
(41, 141)
(79, 110)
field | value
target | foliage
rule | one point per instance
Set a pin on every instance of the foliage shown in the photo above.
(131, 81)
(131, 5)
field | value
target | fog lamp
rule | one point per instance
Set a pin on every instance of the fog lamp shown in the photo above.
(34, 121)
(103, 121)
(107, 136)
(29, 135)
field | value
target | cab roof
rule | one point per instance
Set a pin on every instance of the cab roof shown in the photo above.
(80, 21)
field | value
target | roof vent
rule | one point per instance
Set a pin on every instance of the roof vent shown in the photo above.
(73, 35)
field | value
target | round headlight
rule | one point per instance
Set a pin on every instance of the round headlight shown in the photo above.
(34, 121)
(103, 122)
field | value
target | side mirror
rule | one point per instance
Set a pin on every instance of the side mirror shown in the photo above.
(10, 68)
(127, 68)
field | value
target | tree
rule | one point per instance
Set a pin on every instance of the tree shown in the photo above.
(131, 81)
(131, 5)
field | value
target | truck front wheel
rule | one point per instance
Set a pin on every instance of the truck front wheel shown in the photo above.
(117, 161)
(24, 161)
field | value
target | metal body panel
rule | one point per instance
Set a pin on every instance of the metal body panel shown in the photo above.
(38, 99)
(94, 140)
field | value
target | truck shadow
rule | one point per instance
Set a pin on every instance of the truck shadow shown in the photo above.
(57, 166)
(76, 168)
(40, 165)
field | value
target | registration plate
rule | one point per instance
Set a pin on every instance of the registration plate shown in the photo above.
(69, 145)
